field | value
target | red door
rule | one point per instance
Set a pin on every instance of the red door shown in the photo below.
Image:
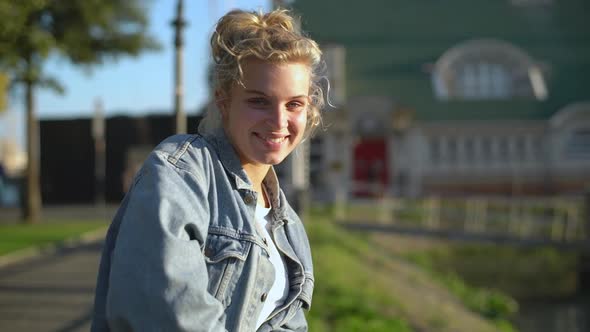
(370, 168)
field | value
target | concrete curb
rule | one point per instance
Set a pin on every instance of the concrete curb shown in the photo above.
(49, 249)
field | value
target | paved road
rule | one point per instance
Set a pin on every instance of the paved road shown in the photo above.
(53, 293)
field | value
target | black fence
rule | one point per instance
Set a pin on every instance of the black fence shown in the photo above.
(68, 156)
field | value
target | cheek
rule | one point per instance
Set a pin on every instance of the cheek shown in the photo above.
(300, 120)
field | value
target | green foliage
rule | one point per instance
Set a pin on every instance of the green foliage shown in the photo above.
(520, 272)
(85, 32)
(492, 304)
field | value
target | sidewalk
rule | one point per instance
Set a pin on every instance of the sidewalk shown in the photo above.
(52, 293)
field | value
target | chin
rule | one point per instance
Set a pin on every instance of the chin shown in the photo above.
(273, 160)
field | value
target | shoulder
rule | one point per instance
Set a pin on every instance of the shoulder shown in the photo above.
(185, 150)
(180, 154)
(177, 147)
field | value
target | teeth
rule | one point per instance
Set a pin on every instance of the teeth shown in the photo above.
(276, 140)
(273, 139)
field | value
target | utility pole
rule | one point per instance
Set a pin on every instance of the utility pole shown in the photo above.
(299, 170)
(179, 23)
(98, 134)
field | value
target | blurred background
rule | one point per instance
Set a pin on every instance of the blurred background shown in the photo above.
(452, 175)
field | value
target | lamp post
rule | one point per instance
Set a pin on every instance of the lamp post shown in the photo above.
(179, 23)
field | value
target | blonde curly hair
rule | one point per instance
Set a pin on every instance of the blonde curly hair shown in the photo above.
(274, 37)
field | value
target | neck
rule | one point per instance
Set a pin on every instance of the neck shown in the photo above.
(256, 174)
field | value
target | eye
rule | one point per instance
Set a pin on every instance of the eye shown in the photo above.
(295, 105)
(258, 101)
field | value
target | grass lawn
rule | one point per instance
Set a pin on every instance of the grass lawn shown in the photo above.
(14, 236)
(349, 295)
(361, 286)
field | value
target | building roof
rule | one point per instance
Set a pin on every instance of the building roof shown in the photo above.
(392, 46)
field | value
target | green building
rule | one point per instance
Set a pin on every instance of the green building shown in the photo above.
(453, 97)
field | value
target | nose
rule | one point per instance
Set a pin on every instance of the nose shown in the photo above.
(278, 117)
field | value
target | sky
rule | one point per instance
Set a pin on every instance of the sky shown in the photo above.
(133, 86)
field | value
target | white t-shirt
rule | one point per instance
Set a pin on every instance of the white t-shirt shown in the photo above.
(280, 289)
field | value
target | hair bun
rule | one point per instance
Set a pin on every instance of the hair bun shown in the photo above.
(279, 19)
(240, 27)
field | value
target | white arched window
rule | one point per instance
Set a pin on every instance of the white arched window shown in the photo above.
(487, 69)
(477, 80)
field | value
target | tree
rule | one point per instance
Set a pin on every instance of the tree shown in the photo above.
(85, 32)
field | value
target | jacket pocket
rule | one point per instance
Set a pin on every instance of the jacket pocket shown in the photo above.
(225, 257)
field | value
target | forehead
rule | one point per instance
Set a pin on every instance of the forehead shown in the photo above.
(292, 78)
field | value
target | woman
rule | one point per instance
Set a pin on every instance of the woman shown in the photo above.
(205, 240)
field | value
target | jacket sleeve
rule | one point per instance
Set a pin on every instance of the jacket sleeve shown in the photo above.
(158, 277)
(297, 323)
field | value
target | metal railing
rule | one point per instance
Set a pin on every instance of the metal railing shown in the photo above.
(559, 219)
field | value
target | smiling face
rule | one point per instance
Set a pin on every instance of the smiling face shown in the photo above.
(265, 119)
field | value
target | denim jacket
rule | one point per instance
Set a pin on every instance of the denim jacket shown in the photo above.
(183, 252)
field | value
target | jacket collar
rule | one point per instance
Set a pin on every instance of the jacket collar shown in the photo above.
(229, 157)
(231, 162)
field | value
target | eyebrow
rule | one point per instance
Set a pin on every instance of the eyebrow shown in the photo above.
(264, 94)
